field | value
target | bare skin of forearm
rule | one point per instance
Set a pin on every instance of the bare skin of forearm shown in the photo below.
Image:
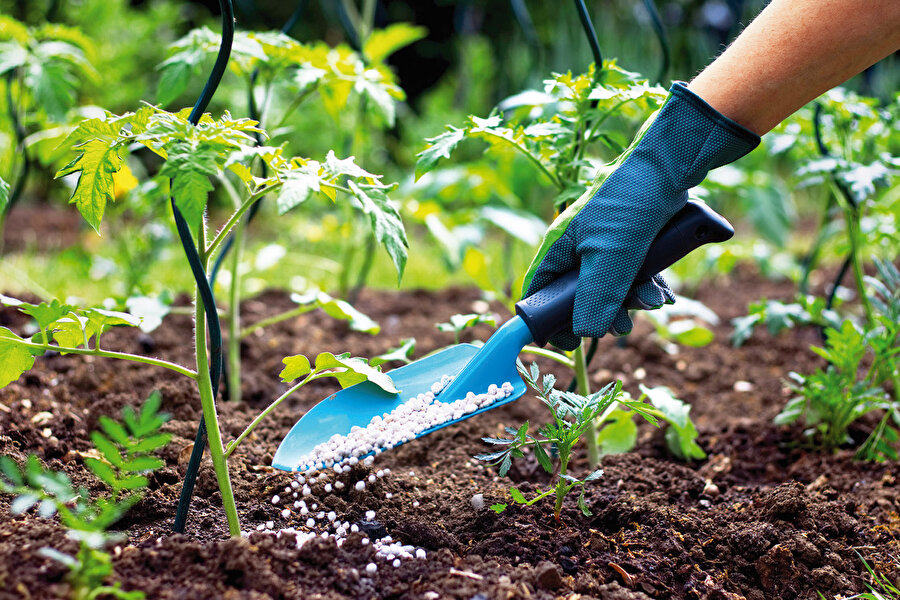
(794, 51)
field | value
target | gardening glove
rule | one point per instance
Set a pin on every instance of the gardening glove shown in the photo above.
(606, 233)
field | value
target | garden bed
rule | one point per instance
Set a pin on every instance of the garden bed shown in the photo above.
(759, 518)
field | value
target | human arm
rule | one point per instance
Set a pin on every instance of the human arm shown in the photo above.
(792, 52)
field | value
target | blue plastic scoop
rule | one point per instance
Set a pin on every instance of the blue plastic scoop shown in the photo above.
(538, 318)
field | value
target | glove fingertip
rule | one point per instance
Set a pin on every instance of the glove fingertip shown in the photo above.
(622, 324)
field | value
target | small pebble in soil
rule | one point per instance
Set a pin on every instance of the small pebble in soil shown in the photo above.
(310, 522)
(396, 562)
(477, 501)
(286, 513)
(360, 486)
(338, 485)
(371, 568)
(270, 524)
(370, 515)
(276, 499)
(327, 488)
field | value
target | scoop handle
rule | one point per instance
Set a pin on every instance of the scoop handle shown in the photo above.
(549, 310)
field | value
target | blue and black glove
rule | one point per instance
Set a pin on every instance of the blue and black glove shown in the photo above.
(606, 233)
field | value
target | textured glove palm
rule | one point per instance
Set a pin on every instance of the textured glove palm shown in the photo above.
(607, 232)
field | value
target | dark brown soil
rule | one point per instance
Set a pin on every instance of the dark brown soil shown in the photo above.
(760, 518)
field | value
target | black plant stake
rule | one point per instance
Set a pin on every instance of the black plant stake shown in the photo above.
(203, 285)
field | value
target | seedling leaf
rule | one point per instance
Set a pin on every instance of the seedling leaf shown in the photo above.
(295, 367)
(15, 358)
(517, 496)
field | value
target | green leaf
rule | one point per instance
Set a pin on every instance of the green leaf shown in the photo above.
(297, 187)
(541, 455)
(141, 464)
(689, 332)
(11, 473)
(582, 505)
(618, 433)
(517, 496)
(4, 195)
(107, 449)
(402, 353)
(103, 471)
(352, 370)
(295, 367)
(681, 435)
(97, 162)
(114, 430)
(594, 475)
(340, 310)
(53, 87)
(45, 314)
(384, 220)
(384, 42)
(15, 358)
(172, 82)
(498, 508)
(191, 190)
(132, 482)
(459, 323)
(438, 147)
(151, 443)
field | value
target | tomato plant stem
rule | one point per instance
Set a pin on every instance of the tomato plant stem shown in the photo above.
(234, 315)
(584, 388)
(236, 216)
(560, 358)
(852, 217)
(208, 402)
(233, 444)
(120, 355)
(294, 312)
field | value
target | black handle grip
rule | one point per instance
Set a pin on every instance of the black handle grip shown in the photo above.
(549, 310)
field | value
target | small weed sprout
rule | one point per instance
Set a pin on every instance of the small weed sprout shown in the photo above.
(126, 457)
(572, 417)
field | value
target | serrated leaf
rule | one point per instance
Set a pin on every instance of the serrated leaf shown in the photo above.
(543, 459)
(53, 87)
(97, 161)
(505, 465)
(517, 496)
(352, 370)
(297, 188)
(15, 358)
(381, 43)
(438, 147)
(498, 508)
(191, 190)
(295, 367)
(385, 221)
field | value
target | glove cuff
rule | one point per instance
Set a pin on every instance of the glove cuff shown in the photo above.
(699, 137)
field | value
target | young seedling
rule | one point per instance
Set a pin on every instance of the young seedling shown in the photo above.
(572, 415)
(459, 323)
(126, 455)
(849, 387)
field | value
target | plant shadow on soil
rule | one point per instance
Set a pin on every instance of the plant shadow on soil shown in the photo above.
(760, 518)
